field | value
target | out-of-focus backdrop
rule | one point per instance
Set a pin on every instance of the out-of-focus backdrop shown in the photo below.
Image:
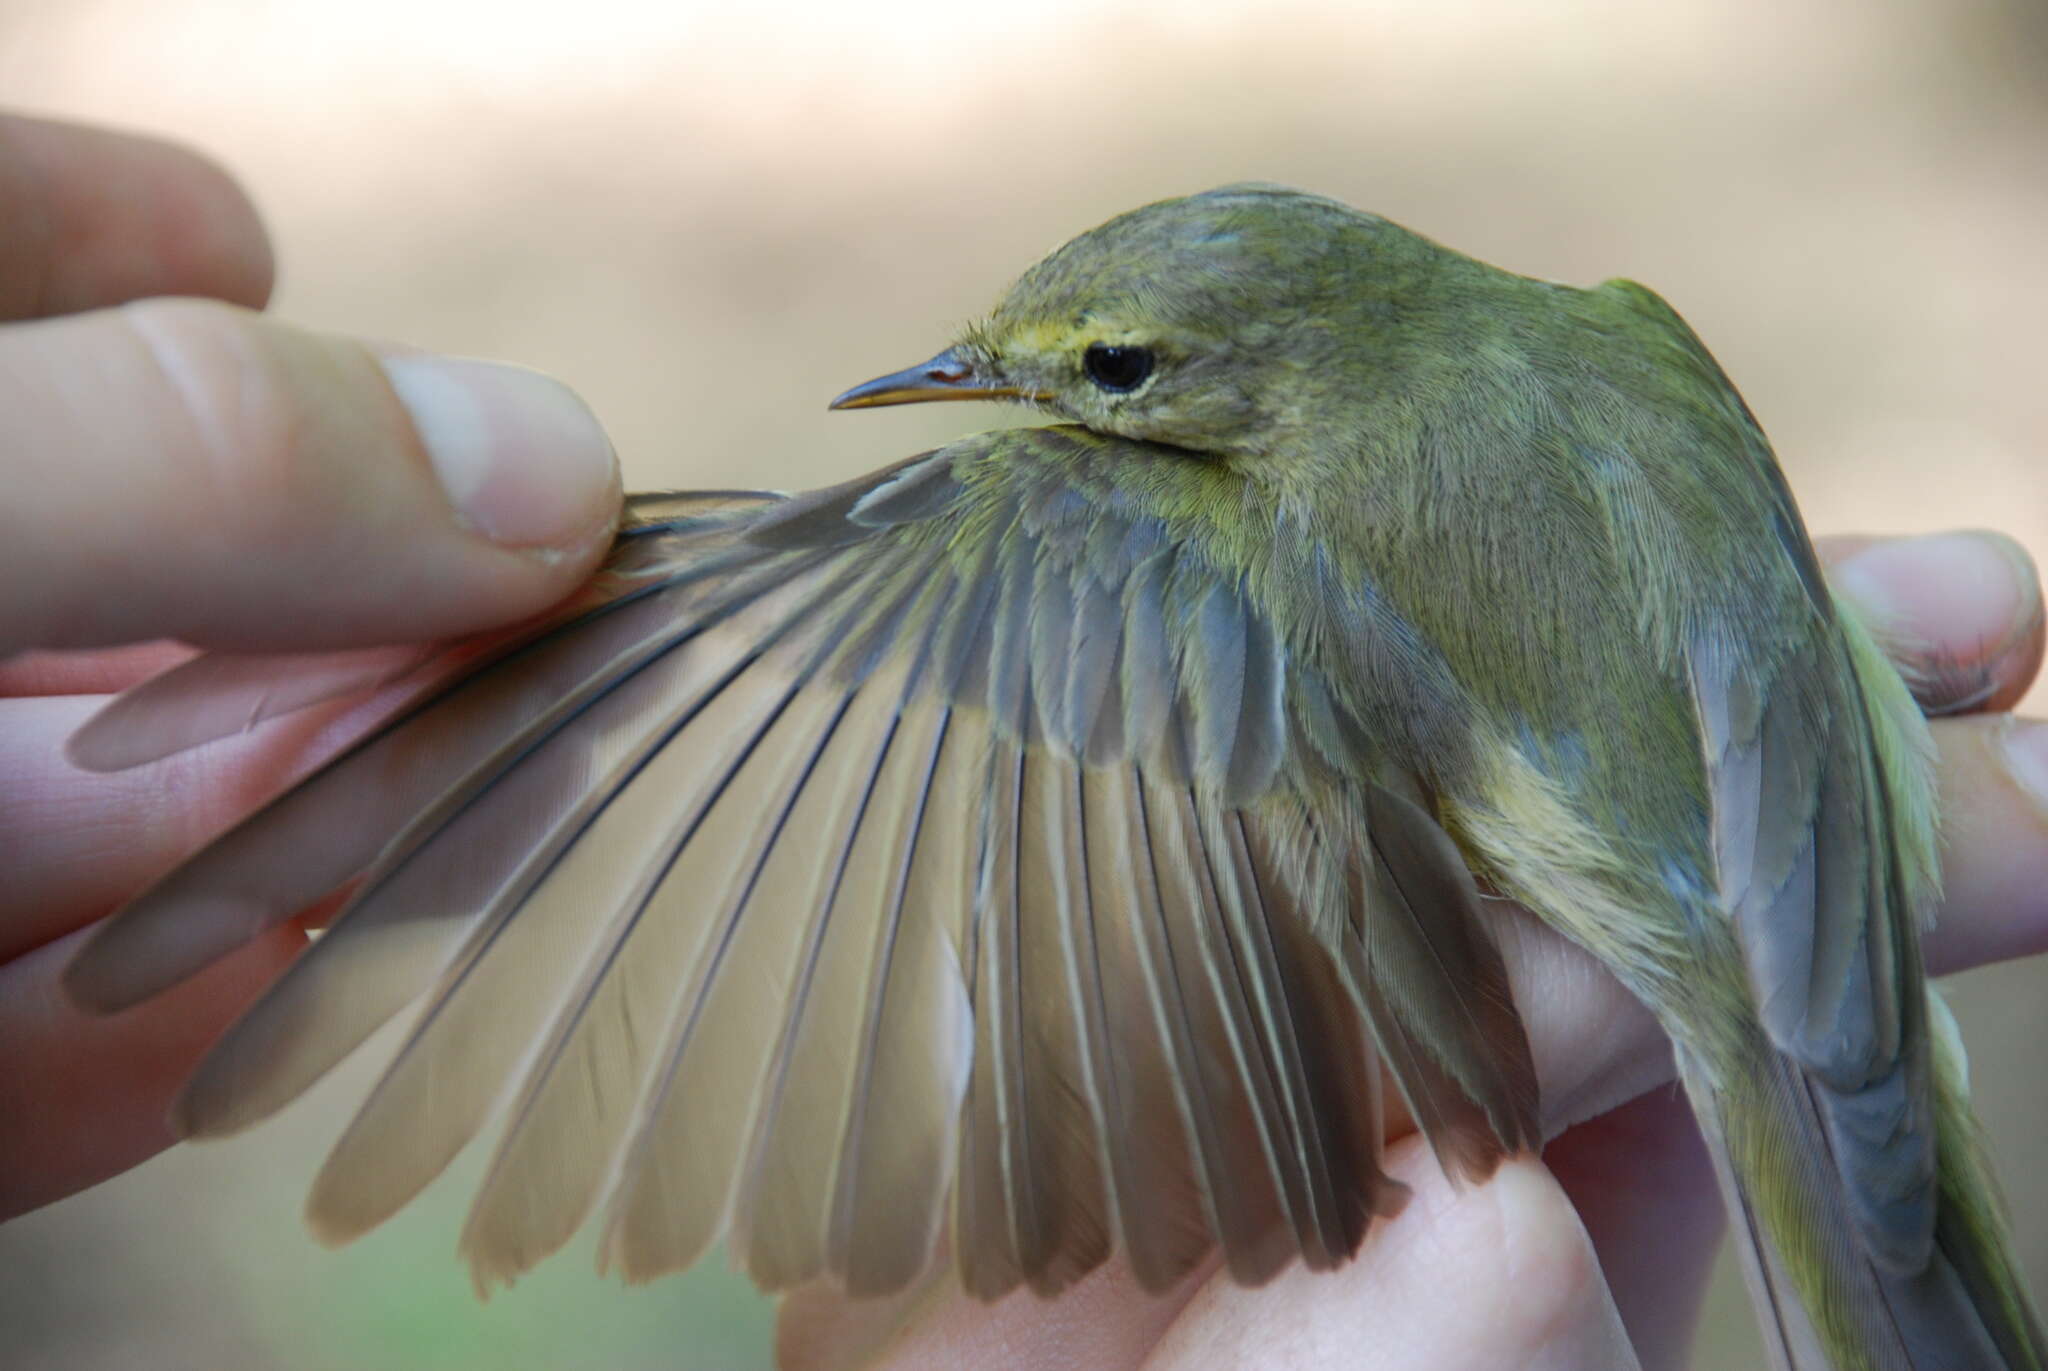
(711, 217)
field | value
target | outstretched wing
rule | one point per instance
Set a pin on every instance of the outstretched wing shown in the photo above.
(943, 837)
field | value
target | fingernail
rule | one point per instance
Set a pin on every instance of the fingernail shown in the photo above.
(522, 458)
(2026, 756)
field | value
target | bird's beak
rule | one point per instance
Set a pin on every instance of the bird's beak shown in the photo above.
(951, 375)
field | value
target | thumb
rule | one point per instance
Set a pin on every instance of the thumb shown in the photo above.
(186, 469)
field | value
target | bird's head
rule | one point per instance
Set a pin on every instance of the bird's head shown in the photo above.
(1217, 323)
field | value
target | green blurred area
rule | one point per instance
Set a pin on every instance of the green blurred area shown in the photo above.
(711, 225)
(197, 1259)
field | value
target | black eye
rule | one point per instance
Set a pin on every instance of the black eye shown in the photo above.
(1117, 368)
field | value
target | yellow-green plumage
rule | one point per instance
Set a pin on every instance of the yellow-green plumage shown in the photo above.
(1051, 837)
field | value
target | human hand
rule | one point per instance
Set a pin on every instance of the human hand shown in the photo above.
(1596, 1256)
(189, 469)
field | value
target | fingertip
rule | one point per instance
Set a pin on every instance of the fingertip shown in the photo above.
(1994, 800)
(1960, 614)
(520, 456)
(100, 218)
(212, 238)
(86, 1097)
(1552, 1305)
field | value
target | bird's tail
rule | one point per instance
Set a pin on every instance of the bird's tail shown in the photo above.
(1825, 1302)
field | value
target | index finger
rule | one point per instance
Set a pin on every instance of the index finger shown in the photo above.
(97, 218)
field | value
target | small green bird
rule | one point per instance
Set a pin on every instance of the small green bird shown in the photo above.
(1052, 837)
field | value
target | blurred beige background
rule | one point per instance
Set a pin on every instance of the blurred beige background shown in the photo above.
(711, 223)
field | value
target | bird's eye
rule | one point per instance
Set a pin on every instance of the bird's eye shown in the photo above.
(1117, 368)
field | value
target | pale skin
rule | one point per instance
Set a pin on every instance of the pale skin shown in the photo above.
(163, 455)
